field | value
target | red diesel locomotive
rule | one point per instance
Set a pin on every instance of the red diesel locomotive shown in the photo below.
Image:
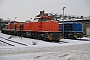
(45, 28)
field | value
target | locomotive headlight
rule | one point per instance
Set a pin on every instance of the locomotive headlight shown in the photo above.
(50, 34)
(42, 34)
(68, 34)
(77, 33)
(59, 34)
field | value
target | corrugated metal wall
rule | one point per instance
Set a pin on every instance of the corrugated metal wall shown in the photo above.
(88, 31)
(86, 27)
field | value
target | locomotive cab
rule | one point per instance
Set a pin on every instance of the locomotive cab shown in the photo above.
(48, 28)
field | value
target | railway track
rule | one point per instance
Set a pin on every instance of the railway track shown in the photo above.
(6, 43)
(61, 42)
(81, 39)
(11, 42)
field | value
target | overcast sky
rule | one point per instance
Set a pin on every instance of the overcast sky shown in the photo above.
(26, 9)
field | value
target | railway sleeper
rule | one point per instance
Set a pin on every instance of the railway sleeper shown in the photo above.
(6, 43)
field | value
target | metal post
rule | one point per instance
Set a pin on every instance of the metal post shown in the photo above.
(14, 23)
(63, 21)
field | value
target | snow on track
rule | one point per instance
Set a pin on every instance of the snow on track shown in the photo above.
(66, 49)
(10, 42)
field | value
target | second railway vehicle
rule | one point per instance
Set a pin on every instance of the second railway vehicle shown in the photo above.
(72, 30)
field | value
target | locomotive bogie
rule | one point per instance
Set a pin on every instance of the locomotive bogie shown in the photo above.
(78, 35)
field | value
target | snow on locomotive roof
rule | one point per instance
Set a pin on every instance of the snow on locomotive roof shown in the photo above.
(71, 23)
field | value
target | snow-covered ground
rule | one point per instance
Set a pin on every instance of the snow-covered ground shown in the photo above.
(66, 49)
(40, 43)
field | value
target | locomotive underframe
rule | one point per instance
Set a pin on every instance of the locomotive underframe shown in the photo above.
(73, 35)
(50, 36)
(44, 35)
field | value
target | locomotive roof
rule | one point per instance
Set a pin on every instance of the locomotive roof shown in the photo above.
(71, 23)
